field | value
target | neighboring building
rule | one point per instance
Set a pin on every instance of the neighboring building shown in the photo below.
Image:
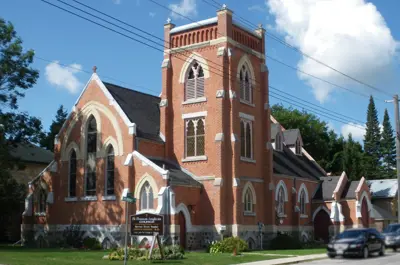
(201, 154)
(384, 201)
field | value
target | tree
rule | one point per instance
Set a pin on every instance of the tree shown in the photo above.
(352, 159)
(48, 141)
(371, 159)
(334, 158)
(314, 132)
(16, 75)
(388, 148)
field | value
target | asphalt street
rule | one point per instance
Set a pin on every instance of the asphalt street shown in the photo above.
(390, 258)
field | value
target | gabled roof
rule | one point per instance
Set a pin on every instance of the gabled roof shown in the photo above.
(349, 191)
(326, 188)
(177, 176)
(142, 109)
(31, 153)
(291, 136)
(383, 188)
(275, 128)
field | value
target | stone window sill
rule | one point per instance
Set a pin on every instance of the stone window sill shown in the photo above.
(249, 214)
(303, 216)
(247, 103)
(194, 158)
(282, 215)
(70, 199)
(89, 198)
(109, 198)
(40, 214)
(249, 160)
(194, 100)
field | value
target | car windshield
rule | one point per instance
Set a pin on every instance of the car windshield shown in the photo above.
(351, 234)
(391, 228)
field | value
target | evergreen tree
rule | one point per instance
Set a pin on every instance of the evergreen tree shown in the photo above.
(48, 140)
(352, 158)
(371, 159)
(388, 148)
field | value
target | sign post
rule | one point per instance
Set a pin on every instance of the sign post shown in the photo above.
(148, 224)
(260, 227)
(127, 197)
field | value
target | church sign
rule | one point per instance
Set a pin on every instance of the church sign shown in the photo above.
(147, 224)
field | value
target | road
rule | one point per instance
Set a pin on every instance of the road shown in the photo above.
(389, 259)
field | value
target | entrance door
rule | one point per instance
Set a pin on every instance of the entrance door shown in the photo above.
(364, 213)
(322, 221)
(182, 230)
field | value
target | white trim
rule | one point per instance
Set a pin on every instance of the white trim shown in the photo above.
(88, 198)
(359, 205)
(246, 116)
(234, 137)
(303, 187)
(246, 60)
(194, 158)
(247, 103)
(109, 198)
(188, 62)
(336, 212)
(70, 199)
(193, 25)
(232, 94)
(250, 186)
(65, 156)
(194, 115)
(249, 160)
(194, 100)
(153, 184)
(204, 178)
(285, 192)
(362, 181)
(219, 137)
(303, 216)
(162, 136)
(320, 208)
(110, 141)
(146, 162)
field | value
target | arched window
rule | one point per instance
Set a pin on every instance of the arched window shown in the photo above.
(278, 142)
(246, 93)
(248, 201)
(281, 201)
(91, 148)
(146, 197)
(246, 139)
(72, 175)
(194, 87)
(303, 202)
(195, 137)
(41, 205)
(298, 147)
(110, 172)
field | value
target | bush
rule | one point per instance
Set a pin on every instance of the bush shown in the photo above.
(91, 243)
(227, 245)
(284, 241)
(140, 254)
(72, 236)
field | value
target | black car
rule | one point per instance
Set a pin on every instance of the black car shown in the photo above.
(357, 242)
(392, 236)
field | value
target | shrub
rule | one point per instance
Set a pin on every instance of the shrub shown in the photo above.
(284, 241)
(227, 245)
(135, 253)
(91, 243)
(72, 236)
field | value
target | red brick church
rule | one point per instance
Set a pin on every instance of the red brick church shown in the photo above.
(206, 153)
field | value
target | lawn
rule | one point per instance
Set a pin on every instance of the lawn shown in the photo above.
(23, 256)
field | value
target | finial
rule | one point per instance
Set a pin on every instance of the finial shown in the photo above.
(168, 20)
(224, 6)
(260, 26)
(94, 69)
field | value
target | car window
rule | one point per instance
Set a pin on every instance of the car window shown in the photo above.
(391, 228)
(352, 234)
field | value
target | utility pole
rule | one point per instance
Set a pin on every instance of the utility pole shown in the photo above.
(397, 123)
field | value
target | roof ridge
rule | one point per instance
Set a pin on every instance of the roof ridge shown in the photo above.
(130, 89)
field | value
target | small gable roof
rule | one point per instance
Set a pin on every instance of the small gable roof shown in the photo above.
(349, 191)
(383, 188)
(291, 136)
(326, 188)
(141, 108)
(31, 153)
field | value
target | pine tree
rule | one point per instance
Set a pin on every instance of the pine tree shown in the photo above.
(371, 159)
(48, 140)
(388, 149)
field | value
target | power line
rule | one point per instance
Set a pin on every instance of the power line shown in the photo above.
(112, 30)
(276, 38)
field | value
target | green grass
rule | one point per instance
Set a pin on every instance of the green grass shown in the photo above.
(295, 252)
(23, 256)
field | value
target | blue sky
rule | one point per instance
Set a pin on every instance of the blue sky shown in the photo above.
(354, 36)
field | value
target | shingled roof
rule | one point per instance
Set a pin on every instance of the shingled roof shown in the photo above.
(383, 188)
(31, 153)
(326, 188)
(141, 108)
(349, 192)
(291, 136)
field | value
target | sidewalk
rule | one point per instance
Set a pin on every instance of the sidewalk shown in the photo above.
(288, 260)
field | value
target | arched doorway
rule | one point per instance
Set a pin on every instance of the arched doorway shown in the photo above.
(182, 230)
(364, 213)
(322, 221)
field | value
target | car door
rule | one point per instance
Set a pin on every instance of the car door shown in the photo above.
(371, 241)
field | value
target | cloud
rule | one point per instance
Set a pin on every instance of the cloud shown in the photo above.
(256, 8)
(349, 35)
(357, 131)
(184, 8)
(152, 14)
(117, 2)
(63, 77)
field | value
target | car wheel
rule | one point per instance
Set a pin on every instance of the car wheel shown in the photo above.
(382, 251)
(394, 249)
(365, 253)
(332, 256)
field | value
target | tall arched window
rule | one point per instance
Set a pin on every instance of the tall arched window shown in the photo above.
(194, 86)
(72, 175)
(109, 190)
(246, 139)
(281, 201)
(248, 201)
(41, 198)
(246, 93)
(195, 137)
(91, 148)
(303, 202)
(298, 147)
(146, 197)
(278, 142)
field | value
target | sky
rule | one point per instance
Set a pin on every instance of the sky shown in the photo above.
(356, 37)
